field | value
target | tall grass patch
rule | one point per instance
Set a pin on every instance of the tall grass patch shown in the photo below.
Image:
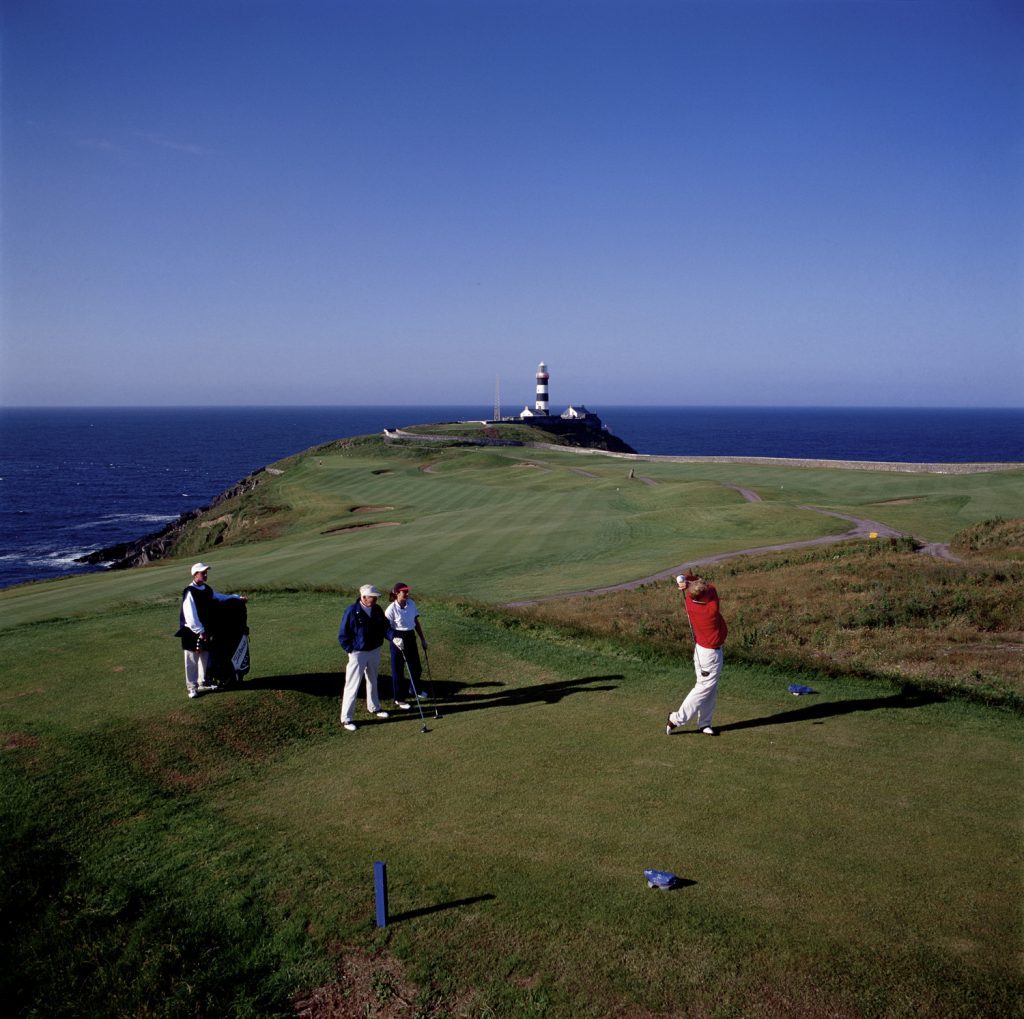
(865, 607)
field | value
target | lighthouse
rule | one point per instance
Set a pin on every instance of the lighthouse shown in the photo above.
(541, 403)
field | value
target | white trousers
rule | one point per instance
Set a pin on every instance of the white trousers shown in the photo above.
(699, 703)
(195, 669)
(360, 664)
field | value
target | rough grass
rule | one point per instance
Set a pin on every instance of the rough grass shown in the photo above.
(867, 607)
(992, 538)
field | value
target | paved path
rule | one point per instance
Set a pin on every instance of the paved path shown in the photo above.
(748, 493)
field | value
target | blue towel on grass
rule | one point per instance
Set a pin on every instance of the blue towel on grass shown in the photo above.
(660, 878)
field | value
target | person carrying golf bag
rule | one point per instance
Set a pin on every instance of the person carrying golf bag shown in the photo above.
(401, 613)
(196, 623)
(709, 631)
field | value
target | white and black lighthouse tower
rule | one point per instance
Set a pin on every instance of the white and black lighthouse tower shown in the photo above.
(540, 405)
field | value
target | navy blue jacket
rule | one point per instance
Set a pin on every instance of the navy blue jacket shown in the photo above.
(362, 632)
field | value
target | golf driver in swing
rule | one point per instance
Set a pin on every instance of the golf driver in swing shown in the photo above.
(398, 642)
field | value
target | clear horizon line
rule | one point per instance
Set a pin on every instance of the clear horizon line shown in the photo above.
(485, 406)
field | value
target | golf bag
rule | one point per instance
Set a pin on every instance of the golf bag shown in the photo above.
(229, 643)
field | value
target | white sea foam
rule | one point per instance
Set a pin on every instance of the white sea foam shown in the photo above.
(124, 518)
(63, 560)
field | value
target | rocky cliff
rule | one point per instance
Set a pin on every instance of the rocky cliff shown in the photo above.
(163, 543)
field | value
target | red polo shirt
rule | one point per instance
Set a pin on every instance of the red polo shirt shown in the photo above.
(709, 628)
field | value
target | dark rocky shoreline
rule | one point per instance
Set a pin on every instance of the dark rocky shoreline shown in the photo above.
(160, 544)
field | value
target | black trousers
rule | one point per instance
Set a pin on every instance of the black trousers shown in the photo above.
(398, 663)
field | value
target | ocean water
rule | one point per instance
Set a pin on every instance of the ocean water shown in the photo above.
(73, 480)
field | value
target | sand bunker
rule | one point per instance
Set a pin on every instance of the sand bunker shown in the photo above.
(370, 509)
(359, 527)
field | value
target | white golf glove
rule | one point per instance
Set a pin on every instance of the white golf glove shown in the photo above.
(398, 643)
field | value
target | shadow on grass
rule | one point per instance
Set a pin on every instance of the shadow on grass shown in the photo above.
(454, 697)
(449, 695)
(680, 883)
(439, 908)
(831, 709)
(316, 684)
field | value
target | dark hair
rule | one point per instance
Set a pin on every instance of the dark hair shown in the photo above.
(393, 593)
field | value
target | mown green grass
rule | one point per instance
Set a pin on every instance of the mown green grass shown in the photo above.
(853, 853)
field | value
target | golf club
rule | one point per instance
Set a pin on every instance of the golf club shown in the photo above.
(430, 682)
(693, 634)
(416, 694)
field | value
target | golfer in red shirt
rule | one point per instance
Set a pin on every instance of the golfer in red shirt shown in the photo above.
(709, 633)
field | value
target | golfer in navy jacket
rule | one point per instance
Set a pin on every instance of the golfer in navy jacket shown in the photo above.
(363, 629)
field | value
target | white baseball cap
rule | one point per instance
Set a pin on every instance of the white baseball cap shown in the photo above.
(199, 568)
(368, 591)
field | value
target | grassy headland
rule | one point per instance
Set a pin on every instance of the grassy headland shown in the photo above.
(853, 853)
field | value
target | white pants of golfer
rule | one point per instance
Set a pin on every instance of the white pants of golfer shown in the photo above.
(360, 664)
(195, 669)
(700, 701)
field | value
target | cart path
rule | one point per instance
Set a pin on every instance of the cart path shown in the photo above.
(862, 528)
(748, 493)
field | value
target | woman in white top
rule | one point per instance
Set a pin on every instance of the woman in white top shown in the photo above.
(402, 615)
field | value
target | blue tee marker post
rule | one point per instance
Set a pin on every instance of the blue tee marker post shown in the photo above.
(380, 887)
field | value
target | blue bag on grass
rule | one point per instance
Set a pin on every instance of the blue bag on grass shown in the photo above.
(660, 878)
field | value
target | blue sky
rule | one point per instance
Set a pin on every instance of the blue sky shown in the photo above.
(301, 201)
